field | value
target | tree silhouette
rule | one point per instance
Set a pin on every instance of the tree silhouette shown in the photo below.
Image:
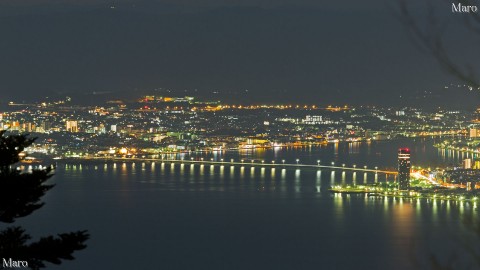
(20, 195)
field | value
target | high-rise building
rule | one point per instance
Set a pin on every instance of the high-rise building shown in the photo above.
(28, 127)
(46, 125)
(72, 126)
(403, 168)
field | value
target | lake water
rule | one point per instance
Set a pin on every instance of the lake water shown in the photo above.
(144, 215)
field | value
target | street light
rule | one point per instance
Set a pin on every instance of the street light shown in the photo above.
(318, 162)
(298, 160)
(333, 163)
(283, 161)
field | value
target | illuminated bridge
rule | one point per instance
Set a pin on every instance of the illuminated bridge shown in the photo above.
(250, 163)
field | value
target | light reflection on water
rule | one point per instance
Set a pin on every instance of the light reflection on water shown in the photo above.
(271, 204)
(332, 178)
(180, 177)
(318, 180)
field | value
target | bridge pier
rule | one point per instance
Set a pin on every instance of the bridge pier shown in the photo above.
(254, 163)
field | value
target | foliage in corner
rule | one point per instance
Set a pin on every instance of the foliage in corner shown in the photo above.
(20, 196)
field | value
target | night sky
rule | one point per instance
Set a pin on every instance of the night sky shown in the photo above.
(280, 51)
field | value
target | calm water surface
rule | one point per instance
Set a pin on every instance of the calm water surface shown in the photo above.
(144, 215)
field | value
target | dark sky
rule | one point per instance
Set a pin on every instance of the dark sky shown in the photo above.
(302, 51)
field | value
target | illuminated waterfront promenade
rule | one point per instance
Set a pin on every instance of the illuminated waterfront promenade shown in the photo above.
(246, 162)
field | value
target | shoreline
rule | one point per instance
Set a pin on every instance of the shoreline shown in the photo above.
(464, 196)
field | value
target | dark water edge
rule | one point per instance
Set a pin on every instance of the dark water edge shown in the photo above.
(149, 216)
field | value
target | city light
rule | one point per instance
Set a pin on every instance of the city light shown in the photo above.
(118, 119)
(130, 140)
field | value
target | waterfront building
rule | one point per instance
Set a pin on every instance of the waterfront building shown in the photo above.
(474, 133)
(470, 186)
(476, 165)
(404, 168)
(467, 163)
(28, 127)
(15, 125)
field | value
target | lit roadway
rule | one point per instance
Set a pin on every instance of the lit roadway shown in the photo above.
(432, 180)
